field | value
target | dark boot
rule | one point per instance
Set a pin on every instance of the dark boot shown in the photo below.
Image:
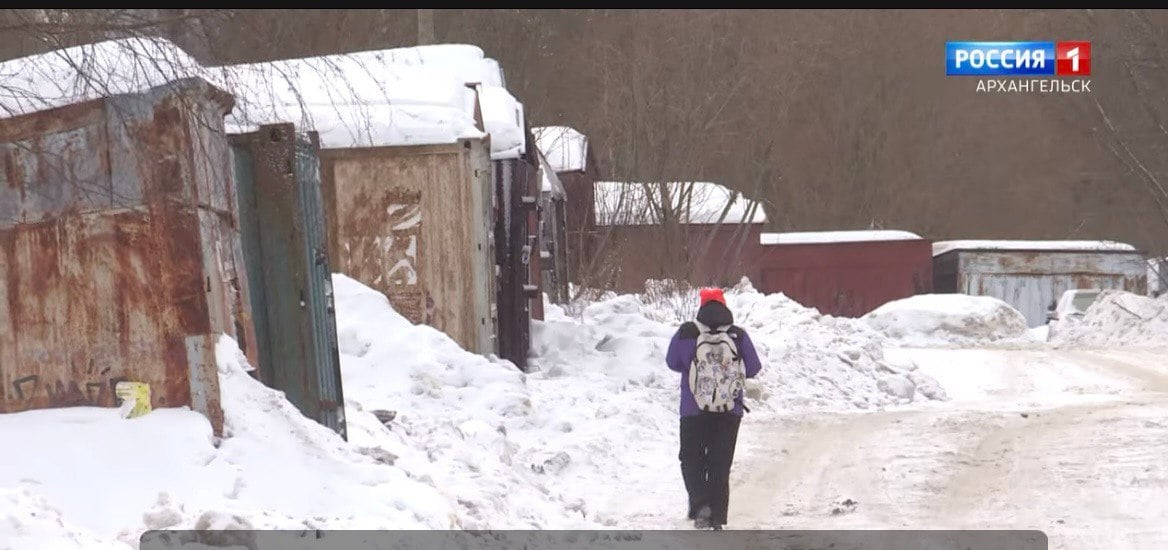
(702, 518)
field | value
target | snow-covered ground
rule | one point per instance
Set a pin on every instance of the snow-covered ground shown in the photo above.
(440, 438)
(1069, 442)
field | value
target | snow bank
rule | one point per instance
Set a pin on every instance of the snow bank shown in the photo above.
(566, 148)
(941, 247)
(439, 438)
(816, 237)
(949, 320)
(110, 478)
(824, 362)
(27, 520)
(430, 447)
(1119, 319)
(621, 203)
(456, 415)
(810, 360)
(608, 405)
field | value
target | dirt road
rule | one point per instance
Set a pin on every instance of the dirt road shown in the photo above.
(1073, 443)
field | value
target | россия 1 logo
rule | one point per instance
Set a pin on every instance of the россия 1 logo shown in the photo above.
(1018, 58)
(1068, 61)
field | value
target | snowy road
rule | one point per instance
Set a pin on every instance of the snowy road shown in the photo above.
(1074, 443)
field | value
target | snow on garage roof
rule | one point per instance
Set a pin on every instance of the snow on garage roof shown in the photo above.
(819, 237)
(91, 71)
(622, 203)
(565, 148)
(404, 96)
(941, 247)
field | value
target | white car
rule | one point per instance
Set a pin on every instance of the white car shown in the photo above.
(1069, 308)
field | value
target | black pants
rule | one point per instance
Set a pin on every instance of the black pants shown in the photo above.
(707, 449)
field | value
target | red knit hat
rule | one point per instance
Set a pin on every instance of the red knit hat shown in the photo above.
(712, 294)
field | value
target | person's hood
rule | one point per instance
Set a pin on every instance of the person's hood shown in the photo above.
(715, 314)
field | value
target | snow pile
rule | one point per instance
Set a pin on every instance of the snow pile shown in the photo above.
(28, 521)
(1119, 318)
(566, 148)
(110, 479)
(604, 411)
(810, 360)
(439, 438)
(949, 320)
(454, 414)
(605, 403)
(823, 362)
(621, 203)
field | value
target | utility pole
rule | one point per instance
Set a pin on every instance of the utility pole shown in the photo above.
(425, 27)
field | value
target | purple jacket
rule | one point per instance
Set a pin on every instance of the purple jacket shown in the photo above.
(683, 347)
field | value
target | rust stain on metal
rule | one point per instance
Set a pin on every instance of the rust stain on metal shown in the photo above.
(104, 257)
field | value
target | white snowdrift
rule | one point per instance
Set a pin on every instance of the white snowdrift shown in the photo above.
(824, 362)
(589, 440)
(949, 320)
(1119, 319)
(110, 478)
(457, 414)
(608, 405)
(810, 360)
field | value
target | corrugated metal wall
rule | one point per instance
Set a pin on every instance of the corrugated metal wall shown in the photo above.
(283, 228)
(1032, 281)
(118, 251)
(410, 222)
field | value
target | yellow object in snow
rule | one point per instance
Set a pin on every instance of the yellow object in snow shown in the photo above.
(135, 393)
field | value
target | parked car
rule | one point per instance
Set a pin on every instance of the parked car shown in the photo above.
(1069, 309)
